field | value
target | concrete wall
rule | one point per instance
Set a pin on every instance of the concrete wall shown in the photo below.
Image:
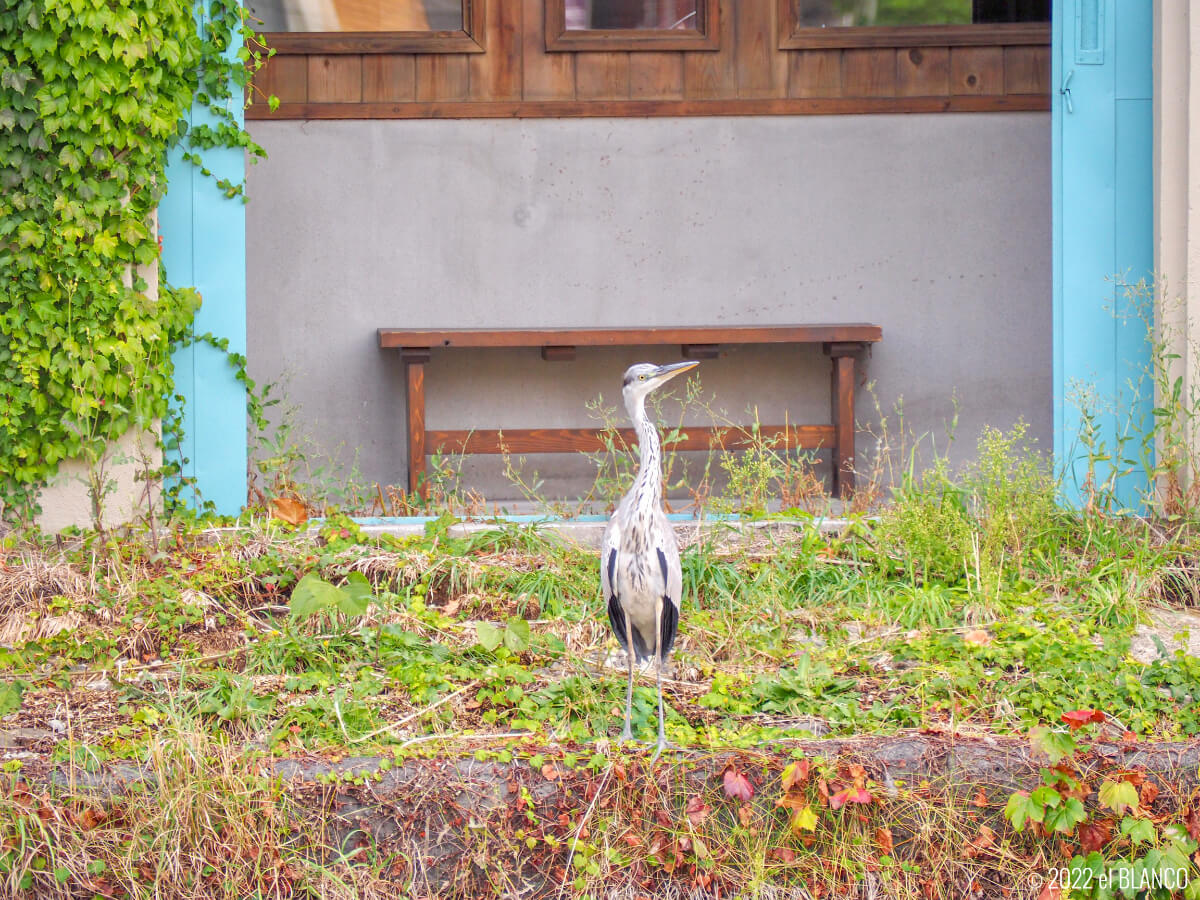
(935, 226)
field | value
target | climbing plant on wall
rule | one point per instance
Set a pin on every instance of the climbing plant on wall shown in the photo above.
(93, 93)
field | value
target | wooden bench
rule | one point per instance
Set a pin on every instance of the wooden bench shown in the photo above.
(841, 342)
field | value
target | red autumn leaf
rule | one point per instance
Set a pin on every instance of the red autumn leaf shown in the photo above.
(696, 810)
(793, 800)
(980, 799)
(745, 815)
(1077, 718)
(784, 854)
(1191, 821)
(849, 795)
(796, 773)
(1149, 793)
(883, 837)
(1094, 835)
(823, 789)
(289, 510)
(978, 637)
(736, 784)
(1050, 891)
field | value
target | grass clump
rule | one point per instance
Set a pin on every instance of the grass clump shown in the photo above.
(977, 527)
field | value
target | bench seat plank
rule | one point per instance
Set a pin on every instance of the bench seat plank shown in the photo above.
(393, 338)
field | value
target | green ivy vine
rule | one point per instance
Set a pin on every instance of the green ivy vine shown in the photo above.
(93, 94)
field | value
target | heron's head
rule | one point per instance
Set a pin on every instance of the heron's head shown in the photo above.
(642, 378)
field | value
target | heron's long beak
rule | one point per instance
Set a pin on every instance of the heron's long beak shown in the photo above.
(673, 369)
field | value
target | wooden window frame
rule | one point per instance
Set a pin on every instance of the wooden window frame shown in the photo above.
(560, 39)
(793, 36)
(468, 39)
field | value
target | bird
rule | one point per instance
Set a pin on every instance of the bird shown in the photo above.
(640, 575)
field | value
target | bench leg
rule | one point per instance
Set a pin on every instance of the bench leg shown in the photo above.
(414, 381)
(843, 420)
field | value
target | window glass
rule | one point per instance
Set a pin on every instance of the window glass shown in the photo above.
(610, 14)
(834, 13)
(356, 15)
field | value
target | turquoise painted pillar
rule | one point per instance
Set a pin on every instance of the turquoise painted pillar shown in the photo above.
(204, 245)
(1103, 241)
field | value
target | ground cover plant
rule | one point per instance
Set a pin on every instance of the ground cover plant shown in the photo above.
(952, 697)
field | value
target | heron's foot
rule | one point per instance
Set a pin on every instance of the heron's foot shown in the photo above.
(626, 735)
(659, 746)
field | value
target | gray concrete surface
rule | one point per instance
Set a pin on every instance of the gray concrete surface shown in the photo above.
(935, 226)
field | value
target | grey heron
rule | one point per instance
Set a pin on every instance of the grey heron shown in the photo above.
(639, 558)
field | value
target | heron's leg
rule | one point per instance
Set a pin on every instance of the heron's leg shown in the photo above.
(627, 731)
(658, 667)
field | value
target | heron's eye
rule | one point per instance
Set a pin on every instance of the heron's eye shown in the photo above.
(641, 378)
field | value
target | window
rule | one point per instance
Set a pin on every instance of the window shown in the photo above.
(851, 23)
(370, 26)
(631, 24)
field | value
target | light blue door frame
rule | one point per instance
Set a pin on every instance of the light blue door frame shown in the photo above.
(1102, 123)
(204, 245)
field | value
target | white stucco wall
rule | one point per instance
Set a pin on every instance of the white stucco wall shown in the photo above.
(1177, 189)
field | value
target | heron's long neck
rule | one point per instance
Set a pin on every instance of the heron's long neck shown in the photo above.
(649, 477)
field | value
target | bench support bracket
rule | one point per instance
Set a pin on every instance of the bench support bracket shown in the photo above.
(842, 403)
(415, 359)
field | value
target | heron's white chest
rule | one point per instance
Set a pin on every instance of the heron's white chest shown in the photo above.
(641, 584)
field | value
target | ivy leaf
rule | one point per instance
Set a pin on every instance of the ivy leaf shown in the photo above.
(1077, 718)
(736, 784)
(1022, 809)
(1065, 817)
(850, 795)
(1119, 796)
(804, 819)
(1139, 831)
(105, 243)
(1094, 835)
(1055, 744)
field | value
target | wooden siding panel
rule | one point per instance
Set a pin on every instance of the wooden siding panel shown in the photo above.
(815, 73)
(869, 73)
(561, 109)
(285, 77)
(656, 76)
(713, 75)
(1026, 70)
(977, 70)
(442, 77)
(496, 74)
(389, 79)
(545, 76)
(923, 72)
(762, 69)
(747, 75)
(335, 79)
(602, 76)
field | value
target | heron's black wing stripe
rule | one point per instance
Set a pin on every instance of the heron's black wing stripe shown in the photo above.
(670, 625)
(662, 563)
(616, 618)
(612, 569)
